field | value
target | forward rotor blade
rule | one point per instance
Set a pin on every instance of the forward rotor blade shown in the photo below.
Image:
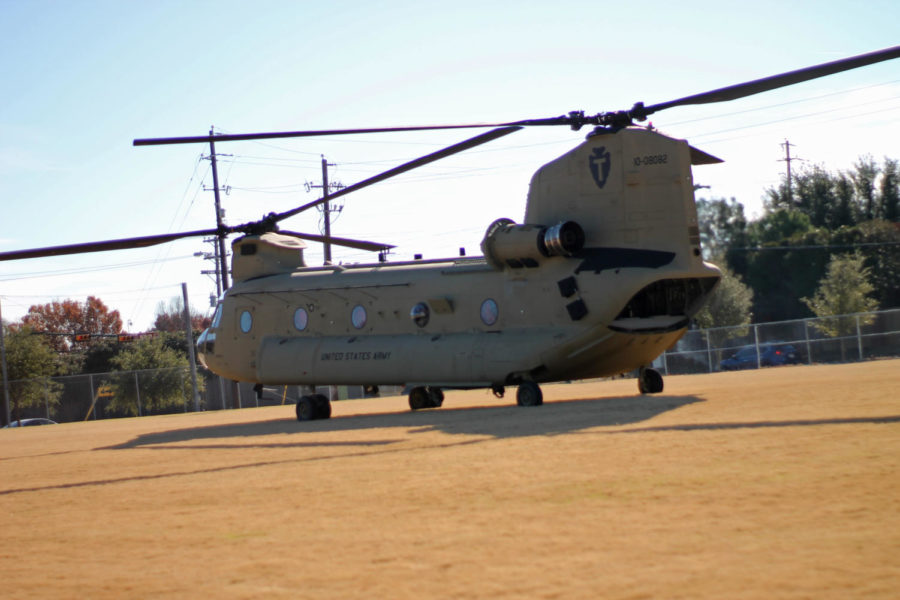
(235, 137)
(765, 84)
(413, 164)
(337, 241)
(122, 244)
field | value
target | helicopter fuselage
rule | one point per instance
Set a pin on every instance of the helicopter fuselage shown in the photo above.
(602, 277)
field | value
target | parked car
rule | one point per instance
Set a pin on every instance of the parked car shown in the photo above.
(770, 355)
(30, 422)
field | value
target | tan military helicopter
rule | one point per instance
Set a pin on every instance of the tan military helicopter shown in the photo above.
(603, 275)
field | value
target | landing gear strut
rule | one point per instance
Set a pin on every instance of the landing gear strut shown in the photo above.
(425, 397)
(311, 408)
(649, 381)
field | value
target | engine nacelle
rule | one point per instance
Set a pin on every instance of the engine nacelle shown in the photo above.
(506, 244)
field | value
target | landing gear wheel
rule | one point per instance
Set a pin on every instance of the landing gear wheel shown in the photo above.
(498, 390)
(419, 398)
(306, 409)
(435, 397)
(322, 407)
(650, 381)
(529, 394)
(425, 397)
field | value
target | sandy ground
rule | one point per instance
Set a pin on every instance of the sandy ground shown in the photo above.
(780, 483)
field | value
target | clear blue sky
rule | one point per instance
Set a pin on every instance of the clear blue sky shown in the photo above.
(80, 80)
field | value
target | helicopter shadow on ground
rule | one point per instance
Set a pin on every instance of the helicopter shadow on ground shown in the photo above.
(553, 418)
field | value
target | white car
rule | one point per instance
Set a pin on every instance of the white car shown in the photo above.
(30, 422)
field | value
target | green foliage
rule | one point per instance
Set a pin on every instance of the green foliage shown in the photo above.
(844, 290)
(866, 192)
(729, 306)
(785, 253)
(722, 225)
(30, 364)
(889, 191)
(164, 383)
(777, 226)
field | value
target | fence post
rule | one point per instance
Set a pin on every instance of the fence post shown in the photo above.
(859, 338)
(709, 361)
(808, 345)
(137, 391)
(756, 344)
(93, 396)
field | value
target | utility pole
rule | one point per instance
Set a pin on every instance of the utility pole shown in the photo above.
(223, 262)
(327, 211)
(223, 258)
(326, 207)
(787, 159)
(6, 415)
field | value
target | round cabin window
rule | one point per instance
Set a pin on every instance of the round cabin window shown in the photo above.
(419, 314)
(246, 321)
(358, 316)
(489, 312)
(301, 319)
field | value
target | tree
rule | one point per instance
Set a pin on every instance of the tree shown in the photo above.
(889, 191)
(779, 225)
(70, 317)
(163, 381)
(844, 290)
(30, 363)
(722, 225)
(170, 317)
(865, 171)
(865, 192)
(729, 306)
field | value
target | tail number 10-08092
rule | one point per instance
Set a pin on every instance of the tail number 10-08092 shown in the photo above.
(651, 159)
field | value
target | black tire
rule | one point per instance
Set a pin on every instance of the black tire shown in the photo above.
(419, 398)
(435, 397)
(322, 407)
(650, 381)
(306, 409)
(529, 394)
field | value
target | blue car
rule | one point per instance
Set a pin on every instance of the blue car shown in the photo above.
(770, 355)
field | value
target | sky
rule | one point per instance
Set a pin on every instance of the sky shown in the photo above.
(79, 80)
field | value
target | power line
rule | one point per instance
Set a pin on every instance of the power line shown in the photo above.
(814, 247)
(77, 270)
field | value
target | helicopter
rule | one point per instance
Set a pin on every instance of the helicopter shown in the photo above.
(604, 273)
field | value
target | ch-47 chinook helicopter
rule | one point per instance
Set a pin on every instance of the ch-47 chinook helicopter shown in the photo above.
(603, 275)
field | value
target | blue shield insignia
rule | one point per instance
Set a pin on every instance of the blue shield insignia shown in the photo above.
(599, 162)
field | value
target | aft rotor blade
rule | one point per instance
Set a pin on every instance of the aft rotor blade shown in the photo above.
(121, 244)
(765, 84)
(337, 241)
(413, 164)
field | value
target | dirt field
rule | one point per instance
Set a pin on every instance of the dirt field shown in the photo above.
(780, 483)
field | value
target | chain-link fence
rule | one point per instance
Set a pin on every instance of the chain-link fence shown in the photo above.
(846, 338)
(160, 391)
(153, 392)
